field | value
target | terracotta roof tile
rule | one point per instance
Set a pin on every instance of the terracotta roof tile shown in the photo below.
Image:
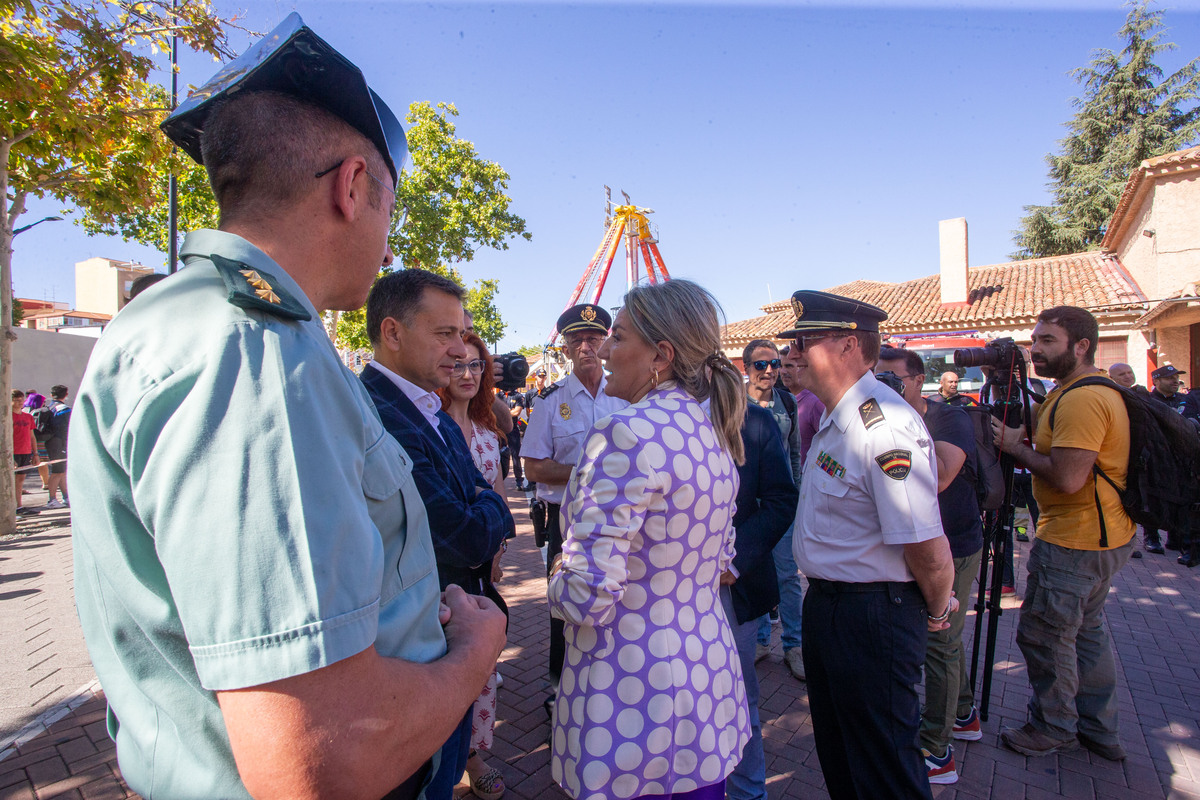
(997, 294)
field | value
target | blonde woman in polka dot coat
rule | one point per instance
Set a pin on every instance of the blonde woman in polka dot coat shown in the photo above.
(651, 701)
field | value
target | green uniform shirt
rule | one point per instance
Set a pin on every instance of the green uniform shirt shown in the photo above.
(240, 515)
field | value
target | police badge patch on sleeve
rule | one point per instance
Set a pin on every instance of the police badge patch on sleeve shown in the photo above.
(896, 464)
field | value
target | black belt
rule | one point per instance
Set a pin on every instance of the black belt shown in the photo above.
(842, 587)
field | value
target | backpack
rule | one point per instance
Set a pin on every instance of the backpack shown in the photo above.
(43, 418)
(60, 422)
(985, 465)
(1162, 484)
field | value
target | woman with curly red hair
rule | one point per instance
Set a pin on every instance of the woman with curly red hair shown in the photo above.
(468, 400)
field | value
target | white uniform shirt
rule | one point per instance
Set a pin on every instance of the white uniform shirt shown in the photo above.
(559, 423)
(870, 485)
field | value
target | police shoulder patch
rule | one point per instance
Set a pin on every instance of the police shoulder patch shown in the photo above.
(253, 288)
(871, 413)
(896, 464)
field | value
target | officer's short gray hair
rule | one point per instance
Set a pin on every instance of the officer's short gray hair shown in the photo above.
(262, 151)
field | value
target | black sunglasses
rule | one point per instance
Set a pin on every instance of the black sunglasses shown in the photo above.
(774, 363)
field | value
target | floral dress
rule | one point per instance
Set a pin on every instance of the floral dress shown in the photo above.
(485, 451)
(651, 699)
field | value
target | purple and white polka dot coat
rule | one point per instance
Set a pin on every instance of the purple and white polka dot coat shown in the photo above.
(651, 699)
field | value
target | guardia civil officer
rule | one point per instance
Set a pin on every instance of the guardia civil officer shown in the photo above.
(558, 423)
(253, 567)
(869, 537)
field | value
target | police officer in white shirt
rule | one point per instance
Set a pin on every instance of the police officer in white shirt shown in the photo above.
(558, 424)
(869, 538)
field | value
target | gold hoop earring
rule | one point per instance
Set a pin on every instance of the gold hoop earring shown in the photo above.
(654, 380)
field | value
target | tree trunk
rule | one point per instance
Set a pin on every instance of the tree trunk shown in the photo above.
(8, 500)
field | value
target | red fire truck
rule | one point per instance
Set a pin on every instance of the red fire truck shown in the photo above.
(937, 351)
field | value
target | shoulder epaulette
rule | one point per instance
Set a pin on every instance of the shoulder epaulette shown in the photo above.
(549, 390)
(871, 413)
(254, 288)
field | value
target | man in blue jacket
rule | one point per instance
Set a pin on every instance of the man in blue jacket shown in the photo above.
(415, 323)
(766, 508)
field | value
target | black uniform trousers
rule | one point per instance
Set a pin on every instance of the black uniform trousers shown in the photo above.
(864, 644)
(558, 642)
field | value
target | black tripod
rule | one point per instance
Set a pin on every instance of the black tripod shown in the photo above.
(1008, 386)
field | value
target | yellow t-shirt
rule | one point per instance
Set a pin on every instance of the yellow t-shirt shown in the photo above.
(1091, 418)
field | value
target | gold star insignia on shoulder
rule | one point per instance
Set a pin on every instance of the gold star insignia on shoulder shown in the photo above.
(257, 289)
(261, 287)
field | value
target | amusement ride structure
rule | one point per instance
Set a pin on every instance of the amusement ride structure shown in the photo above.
(630, 224)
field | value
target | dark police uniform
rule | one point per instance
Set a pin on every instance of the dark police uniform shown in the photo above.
(558, 424)
(869, 487)
(1187, 405)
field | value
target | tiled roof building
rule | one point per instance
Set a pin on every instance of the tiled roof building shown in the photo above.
(1145, 274)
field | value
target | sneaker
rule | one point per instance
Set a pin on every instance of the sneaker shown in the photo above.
(22, 511)
(1029, 741)
(1113, 752)
(1007, 590)
(55, 504)
(795, 663)
(1022, 534)
(1156, 548)
(941, 770)
(761, 651)
(773, 615)
(967, 728)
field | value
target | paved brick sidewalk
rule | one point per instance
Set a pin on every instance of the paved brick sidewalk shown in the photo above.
(1154, 613)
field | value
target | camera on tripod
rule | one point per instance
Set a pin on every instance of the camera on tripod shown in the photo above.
(1004, 364)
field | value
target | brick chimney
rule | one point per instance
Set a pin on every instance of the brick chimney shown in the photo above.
(952, 245)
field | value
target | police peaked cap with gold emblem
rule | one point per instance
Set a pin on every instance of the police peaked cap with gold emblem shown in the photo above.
(294, 60)
(584, 317)
(822, 311)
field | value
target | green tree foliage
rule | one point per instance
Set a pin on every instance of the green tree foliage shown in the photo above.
(530, 350)
(79, 120)
(1127, 113)
(456, 199)
(18, 312)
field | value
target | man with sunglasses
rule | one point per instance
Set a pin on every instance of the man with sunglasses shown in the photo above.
(762, 364)
(415, 324)
(869, 538)
(253, 569)
(558, 424)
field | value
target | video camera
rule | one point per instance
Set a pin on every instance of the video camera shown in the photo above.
(1006, 378)
(891, 379)
(514, 369)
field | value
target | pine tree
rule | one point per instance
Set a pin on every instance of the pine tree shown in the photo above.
(1127, 114)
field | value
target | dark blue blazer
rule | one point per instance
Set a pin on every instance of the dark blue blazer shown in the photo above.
(766, 507)
(467, 525)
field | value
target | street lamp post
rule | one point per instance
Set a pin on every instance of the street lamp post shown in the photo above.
(24, 228)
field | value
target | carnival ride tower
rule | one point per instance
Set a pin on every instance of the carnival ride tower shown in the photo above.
(630, 223)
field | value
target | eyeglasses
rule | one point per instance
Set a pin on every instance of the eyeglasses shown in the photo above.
(577, 342)
(399, 213)
(475, 366)
(774, 363)
(803, 342)
(906, 377)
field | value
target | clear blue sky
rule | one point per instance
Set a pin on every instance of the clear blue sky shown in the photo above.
(782, 145)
